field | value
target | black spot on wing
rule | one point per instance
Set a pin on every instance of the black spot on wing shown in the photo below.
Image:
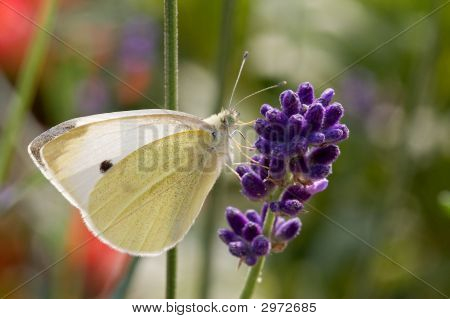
(105, 165)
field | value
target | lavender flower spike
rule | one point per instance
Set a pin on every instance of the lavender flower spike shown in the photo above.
(296, 147)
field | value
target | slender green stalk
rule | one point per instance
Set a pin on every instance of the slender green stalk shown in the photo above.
(122, 288)
(26, 87)
(171, 273)
(256, 271)
(171, 102)
(209, 229)
(171, 54)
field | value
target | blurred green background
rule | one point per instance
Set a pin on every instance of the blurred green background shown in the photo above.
(388, 202)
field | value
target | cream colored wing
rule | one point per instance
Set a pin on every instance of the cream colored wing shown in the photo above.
(74, 155)
(147, 202)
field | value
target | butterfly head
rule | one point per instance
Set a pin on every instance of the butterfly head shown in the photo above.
(225, 120)
(228, 118)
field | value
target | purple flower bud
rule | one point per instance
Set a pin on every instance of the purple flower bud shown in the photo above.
(274, 206)
(277, 168)
(251, 260)
(235, 219)
(316, 138)
(314, 116)
(261, 126)
(260, 246)
(345, 131)
(275, 116)
(238, 248)
(253, 187)
(333, 135)
(242, 169)
(297, 147)
(288, 230)
(333, 114)
(250, 231)
(295, 124)
(265, 108)
(263, 145)
(291, 207)
(298, 165)
(260, 166)
(317, 186)
(252, 215)
(324, 155)
(289, 102)
(326, 97)
(319, 171)
(306, 93)
(227, 235)
(298, 192)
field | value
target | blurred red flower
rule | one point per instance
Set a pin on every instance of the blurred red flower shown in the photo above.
(98, 266)
(16, 31)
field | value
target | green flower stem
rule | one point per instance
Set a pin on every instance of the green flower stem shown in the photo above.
(171, 103)
(26, 86)
(171, 273)
(255, 272)
(122, 288)
(209, 226)
(171, 54)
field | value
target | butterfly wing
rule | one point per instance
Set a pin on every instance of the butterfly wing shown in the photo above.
(147, 202)
(76, 154)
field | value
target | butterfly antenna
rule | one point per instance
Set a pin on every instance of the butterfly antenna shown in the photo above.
(283, 83)
(244, 58)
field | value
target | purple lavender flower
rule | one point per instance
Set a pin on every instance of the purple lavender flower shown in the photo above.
(245, 239)
(296, 147)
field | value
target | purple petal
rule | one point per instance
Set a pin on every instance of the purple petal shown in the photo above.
(235, 219)
(277, 168)
(333, 114)
(345, 131)
(275, 116)
(274, 206)
(324, 155)
(261, 126)
(288, 230)
(314, 116)
(317, 186)
(295, 124)
(238, 249)
(316, 138)
(306, 93)
(253, 187)
(251, 260)
(298, 192)
(319, 171)
(253, 215)
(260, 246)
(227, 235)
(333, 135)
(250, 231)
(265, 108)
(326, 97)
(290, 102)
(291, 207)
(242, 169)
(263, 145)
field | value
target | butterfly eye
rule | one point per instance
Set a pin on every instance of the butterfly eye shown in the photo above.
(214, 134)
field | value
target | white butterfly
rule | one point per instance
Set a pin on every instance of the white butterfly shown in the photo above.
(139, 178)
